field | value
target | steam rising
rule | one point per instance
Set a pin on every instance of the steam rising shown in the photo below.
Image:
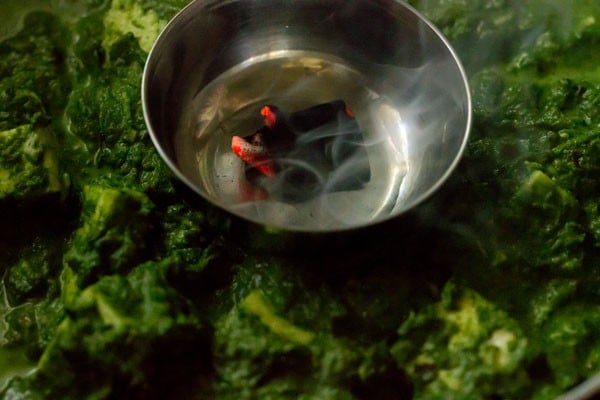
(397, 113)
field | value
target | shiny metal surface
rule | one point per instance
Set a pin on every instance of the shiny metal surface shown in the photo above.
(411, 96)
(588, 390)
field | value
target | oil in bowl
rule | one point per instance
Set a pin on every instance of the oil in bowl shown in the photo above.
(293, 80)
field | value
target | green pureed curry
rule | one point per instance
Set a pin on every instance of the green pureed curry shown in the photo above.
(119, 283)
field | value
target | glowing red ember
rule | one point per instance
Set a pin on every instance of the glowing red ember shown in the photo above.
(307, 147)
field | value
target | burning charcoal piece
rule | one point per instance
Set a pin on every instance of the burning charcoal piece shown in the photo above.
(297, 156)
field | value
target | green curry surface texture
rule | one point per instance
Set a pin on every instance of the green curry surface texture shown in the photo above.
(118, 283)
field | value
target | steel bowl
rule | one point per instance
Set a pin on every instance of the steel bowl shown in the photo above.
(218, 62)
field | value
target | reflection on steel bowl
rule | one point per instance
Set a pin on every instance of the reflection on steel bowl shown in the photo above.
(218, 63)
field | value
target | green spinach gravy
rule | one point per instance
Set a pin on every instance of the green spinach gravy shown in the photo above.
(119, 283)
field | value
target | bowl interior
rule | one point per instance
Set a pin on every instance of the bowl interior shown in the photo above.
(217, 63)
